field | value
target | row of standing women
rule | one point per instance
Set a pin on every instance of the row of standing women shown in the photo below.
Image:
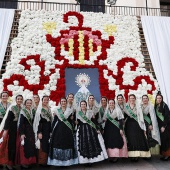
(69, 135)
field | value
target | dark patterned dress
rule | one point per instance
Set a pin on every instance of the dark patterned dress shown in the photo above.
(45, 129)
(165, 136)
(152, 143)
(115, 143)
(90, 144)
(63, 151)
(136, 140)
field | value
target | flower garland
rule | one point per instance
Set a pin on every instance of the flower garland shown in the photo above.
(51, 41)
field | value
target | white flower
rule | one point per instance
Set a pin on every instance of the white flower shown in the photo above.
(16, 83)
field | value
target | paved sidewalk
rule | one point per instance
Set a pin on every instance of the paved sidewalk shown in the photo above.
(123, 164)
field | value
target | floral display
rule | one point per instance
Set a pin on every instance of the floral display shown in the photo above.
(48, 42)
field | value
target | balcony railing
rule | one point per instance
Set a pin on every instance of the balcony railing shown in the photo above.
(115, 10)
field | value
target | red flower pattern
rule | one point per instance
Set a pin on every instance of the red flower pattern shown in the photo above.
(60, 86)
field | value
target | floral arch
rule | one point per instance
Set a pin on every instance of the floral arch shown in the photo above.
(51, 41)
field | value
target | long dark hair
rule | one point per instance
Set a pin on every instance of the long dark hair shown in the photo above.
(161, 104)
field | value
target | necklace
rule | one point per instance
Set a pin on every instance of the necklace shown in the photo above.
(121, 106)
(132, 108)
(111, 111)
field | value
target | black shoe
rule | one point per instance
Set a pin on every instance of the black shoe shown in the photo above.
(162, 158)
(10, 168)
(166, 158)
(132, 159)
(88, 165)
(147, 159)
(24, 167)
(136, 160)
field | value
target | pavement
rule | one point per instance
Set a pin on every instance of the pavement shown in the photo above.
(123, 164)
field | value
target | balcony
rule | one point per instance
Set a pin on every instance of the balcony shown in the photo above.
(115, 10)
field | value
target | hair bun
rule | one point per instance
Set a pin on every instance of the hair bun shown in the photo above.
(159, 92)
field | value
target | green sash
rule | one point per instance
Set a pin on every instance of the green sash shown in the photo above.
(46, 113)
(101, 112)
(147, 119)
(28, 117)
(61, 115)
(113, 120)
(159, 115)
(33, 112)
(131, 113)
(2, 110)
(87, 120)
(16, 110)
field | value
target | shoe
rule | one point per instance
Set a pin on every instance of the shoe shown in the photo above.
(136, 160)
(115, 160)
(9, 167)
(147, 159)
(166, 158)
(132, 159)
(25, 167)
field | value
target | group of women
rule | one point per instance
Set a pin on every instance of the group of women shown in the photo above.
(31, 132)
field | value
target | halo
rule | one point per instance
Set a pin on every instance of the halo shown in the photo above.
(82, 79)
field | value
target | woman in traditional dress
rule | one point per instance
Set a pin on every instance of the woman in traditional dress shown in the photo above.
(152, 130)
(42, 129)
(63, 151)
(26, 143)
(135, 131)
(36, 101)
(121, 103)
(72, 105)
(90, 143)
(92, 105)
(103, 108)
(114, 138)
(163, 117)
(4, 105)
(9, 125)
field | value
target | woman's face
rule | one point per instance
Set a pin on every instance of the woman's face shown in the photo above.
(83, 105)
(63, 102)
(132, 99)
(103, 102)
(19, 100)
(120, 100)
(4, 97)
(91, 99)
(158, 99)
(28, 104)
(45, 101)
(145, 100)
(70, 98)
(36, 98)
(111, 104)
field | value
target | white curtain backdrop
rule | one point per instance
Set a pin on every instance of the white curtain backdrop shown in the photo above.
(6, 20)
(157, 35)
